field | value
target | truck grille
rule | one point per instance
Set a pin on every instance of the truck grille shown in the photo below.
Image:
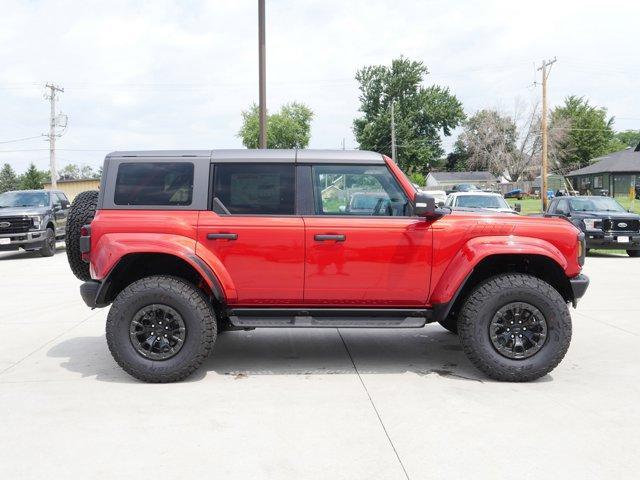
(620, 225)
(15, 224)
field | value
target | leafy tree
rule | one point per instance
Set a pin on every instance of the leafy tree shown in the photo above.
(629, 138)
(33, 178)
(590, 132)
(8, 179)
(456, 161)
(421, 113)
(289, 128)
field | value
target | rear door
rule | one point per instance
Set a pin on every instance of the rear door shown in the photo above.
(252, 229)
(364, 247)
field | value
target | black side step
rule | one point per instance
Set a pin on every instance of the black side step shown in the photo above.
(329, 317)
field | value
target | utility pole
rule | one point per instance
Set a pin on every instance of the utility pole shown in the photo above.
(343, 145)
(546, 69)
(53, 90)
(393, 134)
(262, 140)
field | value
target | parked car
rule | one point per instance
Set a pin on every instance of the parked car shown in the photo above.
(464, 187)
(605, 223)
(517, 193)
(182, 244)
(440, 196)
(32, 220)
(367, 203)
(479, 201)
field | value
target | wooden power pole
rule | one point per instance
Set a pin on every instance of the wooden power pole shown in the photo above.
(262, 138)
(546, 69)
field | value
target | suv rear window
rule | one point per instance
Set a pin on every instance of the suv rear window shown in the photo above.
(154, 183)
(249, 189)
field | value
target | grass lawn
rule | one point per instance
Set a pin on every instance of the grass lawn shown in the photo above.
(534, 205)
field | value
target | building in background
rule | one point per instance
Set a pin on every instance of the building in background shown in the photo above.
(71, 188)
(617, 174)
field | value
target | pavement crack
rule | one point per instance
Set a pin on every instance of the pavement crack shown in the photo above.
(375, 409)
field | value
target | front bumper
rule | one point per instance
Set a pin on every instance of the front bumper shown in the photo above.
(29, 241)
(579, 285)
(609, 240)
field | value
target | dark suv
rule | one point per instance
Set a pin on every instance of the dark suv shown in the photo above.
(184, 243)
(605, 223)
(32, 220)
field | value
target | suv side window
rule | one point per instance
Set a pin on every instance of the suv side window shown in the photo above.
(154, 183)
(256, 189)
(56, 201)
(562, 207)
(358, 190)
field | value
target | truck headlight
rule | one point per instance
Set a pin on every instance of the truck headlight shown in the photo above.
(592, 223)
(37, 221)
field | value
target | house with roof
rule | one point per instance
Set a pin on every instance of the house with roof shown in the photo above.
(618, 173)
(446, 180)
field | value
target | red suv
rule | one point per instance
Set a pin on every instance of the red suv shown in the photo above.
(185, 243)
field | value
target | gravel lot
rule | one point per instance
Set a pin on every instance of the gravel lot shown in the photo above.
(324, 404)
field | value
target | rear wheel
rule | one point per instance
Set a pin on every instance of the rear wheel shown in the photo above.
(633, 253)
(49, 245)
(160, 329)
(81, 213)
(515, 327)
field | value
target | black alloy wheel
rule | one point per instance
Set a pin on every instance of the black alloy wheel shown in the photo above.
(518, 330)
(157, 332)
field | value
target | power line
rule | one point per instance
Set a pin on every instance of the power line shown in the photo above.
(21, 139)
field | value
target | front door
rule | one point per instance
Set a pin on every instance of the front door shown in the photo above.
(363, 246)
(253, 232)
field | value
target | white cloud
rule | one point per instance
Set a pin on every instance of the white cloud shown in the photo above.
(176, 74)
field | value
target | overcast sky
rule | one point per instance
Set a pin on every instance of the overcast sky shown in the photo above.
(176, 74)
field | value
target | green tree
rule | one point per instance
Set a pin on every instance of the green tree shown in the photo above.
(33, 178)
(70, 172)
(289, 128)
(629, 138)
(456, 160)
(8, 179)
(590, 131)
(421, 113)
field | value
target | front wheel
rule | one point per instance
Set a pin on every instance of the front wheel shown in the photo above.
(633, 253)
(160, 329)
(48, 248)
(515, 327)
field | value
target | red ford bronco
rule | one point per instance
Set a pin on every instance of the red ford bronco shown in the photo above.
(183, 244)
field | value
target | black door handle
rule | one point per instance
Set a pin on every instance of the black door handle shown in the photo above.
(335, 238)
(222, 236)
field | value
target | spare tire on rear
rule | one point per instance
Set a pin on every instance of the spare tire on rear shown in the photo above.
(81, 213)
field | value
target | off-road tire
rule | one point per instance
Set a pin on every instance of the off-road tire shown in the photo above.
(188, 301)
(479, 309)
(81, 213)
(633, 253)
(450, 323)
(48, 248)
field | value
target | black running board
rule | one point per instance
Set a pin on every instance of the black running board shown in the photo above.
(329, 317)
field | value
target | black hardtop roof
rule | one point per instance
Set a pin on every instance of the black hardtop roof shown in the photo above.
(260, 155)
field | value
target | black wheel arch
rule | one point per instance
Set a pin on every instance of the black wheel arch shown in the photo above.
(135, 266)
(538, 266)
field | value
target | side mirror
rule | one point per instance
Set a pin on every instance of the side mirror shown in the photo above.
(425, 205)
(65, 205)
(518, 207)
(57, 207)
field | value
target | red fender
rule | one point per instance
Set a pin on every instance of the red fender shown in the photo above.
(479, 248)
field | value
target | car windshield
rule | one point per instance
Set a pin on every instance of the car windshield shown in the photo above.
(481, 201)
(24, 199)
(597, 204)
(466, 187)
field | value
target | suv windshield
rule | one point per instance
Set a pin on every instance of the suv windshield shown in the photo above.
(24, 199)
(597, 204)
(481, 201)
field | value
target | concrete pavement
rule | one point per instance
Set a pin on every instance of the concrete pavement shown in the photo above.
(325, 404)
